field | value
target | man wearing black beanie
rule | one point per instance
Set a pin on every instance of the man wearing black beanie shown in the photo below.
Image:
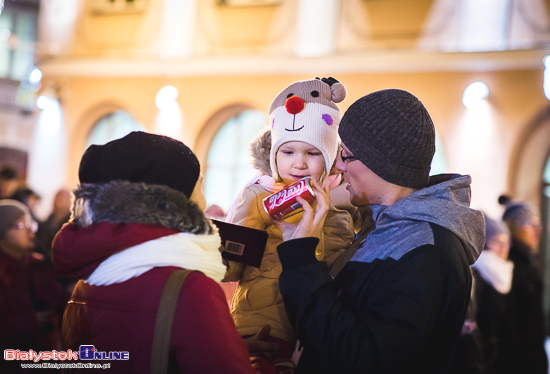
(399, 304)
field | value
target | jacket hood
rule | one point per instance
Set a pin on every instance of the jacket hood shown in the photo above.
(260, 149)
(445, 202)
(126, 202)
(109, 218)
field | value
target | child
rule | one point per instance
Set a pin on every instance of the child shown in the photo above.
(304, 123)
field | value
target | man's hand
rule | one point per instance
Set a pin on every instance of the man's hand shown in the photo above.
(314, 219)
(258, 345)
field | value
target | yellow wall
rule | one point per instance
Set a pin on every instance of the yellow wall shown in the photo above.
(516, 97)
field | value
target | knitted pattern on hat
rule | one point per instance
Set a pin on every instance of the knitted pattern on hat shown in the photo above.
(306, 112)
(391, 132)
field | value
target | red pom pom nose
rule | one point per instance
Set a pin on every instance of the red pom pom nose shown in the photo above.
(294, 104)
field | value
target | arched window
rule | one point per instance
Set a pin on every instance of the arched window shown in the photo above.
(229, 165)
(113, 126)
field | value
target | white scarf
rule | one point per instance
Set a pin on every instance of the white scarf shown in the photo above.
(185, 250)
(495, 270)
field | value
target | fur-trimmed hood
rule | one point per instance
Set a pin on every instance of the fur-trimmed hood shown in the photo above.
(112, 217)
(125, 202)
(260, 149)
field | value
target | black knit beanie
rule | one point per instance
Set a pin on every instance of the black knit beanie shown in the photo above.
(140, 157)
(391, 132)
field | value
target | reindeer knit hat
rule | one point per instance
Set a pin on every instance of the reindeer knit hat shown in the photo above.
(306, 112)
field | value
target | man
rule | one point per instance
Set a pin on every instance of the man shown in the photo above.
(399, 304)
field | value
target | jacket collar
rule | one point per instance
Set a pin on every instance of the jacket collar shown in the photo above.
(78, 251)
(124, 202)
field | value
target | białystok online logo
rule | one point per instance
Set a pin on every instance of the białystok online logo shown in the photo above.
(86, 352)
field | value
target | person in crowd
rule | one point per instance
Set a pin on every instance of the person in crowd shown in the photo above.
(61, 212)
(302, 142)
(28, 197)
(8, 182)
(31, 301)
(137, 218)
(523, 221)
(399, 304)
(493, 273)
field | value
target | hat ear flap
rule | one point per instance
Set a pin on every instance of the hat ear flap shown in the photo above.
(339, 92)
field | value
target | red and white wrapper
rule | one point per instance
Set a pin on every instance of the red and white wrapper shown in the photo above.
(283, 203)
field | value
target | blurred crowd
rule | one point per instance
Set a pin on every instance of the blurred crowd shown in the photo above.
(32, 296)
(504, 331)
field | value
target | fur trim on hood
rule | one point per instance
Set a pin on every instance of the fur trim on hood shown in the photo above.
(260, 149)
(125, 202)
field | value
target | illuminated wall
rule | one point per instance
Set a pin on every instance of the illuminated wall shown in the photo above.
(242, 56)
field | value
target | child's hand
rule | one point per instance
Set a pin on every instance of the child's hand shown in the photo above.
(259, 345)
(285, 228)
(314, 219)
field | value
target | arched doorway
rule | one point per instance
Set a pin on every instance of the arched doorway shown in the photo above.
(228, 163)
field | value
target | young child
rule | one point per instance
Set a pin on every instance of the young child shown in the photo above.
(304, 123)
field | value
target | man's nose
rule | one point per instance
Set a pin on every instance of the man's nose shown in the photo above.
(341, 165)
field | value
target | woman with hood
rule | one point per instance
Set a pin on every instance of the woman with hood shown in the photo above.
(136, 219)
(493, 280)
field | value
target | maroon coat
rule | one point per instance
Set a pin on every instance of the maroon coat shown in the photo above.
(28, 286)
(121, 317)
